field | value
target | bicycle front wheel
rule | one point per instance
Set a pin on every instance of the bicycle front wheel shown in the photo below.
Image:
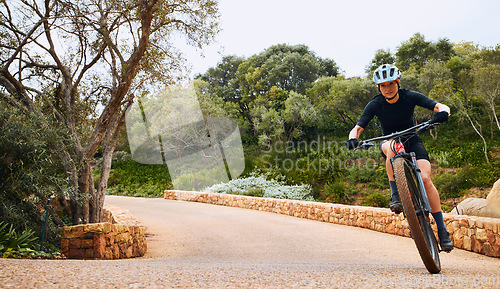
(418, 220)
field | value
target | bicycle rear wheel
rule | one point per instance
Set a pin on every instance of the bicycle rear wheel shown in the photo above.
(418, 221)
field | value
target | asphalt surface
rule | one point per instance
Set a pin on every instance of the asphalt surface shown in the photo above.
(194, 245)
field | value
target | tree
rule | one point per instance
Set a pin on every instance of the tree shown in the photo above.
(418, 51)
(487, 88)
(343, 99)
(291, 67)
(298, 111)
(381, 57)
(247, 84)
(223, 78)
(80, 64)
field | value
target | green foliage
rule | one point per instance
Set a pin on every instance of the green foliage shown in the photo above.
(286, 96)
(29, 171)
(23, 244)
(336, 192)
(131, 178)
(377, 199)
(452, 185)
(340, 98)
(381, 57)
(10, 239)
(418, 51)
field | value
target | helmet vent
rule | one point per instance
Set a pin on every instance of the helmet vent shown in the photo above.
(385, 73)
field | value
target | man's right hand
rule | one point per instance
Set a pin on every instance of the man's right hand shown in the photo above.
(352, 143)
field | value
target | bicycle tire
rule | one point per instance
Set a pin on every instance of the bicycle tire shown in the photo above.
(420, 228)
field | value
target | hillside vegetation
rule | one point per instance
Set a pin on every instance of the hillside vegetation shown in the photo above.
(295, 109)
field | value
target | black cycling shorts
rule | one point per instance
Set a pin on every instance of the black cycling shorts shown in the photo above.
(412, 145)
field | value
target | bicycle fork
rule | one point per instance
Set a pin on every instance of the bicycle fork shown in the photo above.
(420, 183)
(412, 161)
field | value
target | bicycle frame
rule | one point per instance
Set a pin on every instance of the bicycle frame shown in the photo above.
(412, 161)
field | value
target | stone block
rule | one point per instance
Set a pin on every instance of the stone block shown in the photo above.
(110, 239)
(75, 243)
(463, 221)
(129, 252)
(76, 253)
(488, 250)
(496, 248)
(390, 228)
(123, 250)
(118, 238)
(481, 235)
(450, 228)
(89, 253)
(64, 246)
(467, 243)
(107, 228)
(476, 246)
(116, 251)
(72, 232)
(459, 239)
(87, 243)
(490, 237)
(464, 231)
(94, 228)
(108, 253)
(99, 246)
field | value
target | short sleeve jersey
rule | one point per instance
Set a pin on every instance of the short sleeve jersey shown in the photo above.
(396, 116)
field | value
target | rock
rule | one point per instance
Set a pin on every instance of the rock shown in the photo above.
(493, 201)
(489, 207)
(472, 207)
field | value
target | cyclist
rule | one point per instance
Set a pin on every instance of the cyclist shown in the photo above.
(394, 108)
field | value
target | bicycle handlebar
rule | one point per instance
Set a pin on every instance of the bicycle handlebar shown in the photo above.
(414, 130)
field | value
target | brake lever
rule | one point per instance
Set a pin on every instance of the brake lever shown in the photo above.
(428, 126)
(363, 145)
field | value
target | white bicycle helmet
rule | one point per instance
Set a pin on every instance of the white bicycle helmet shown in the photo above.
(386, 72)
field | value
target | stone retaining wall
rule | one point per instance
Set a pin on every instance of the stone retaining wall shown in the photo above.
(109, 240)
(476, 234)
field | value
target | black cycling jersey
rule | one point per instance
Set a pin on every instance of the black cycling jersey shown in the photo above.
(397, 116)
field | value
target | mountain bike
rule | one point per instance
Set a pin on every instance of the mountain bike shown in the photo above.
(416, 207)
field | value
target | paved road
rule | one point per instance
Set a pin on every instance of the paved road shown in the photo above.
(194, 245)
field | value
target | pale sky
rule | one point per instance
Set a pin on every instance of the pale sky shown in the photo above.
(348, 31)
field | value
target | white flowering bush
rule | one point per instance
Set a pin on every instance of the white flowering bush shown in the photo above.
(260, 186)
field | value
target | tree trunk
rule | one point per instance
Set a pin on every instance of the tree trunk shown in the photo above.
(485, 149)
(80, 206)
(108, 147)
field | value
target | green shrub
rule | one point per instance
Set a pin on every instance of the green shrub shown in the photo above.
(377, 199)
(23, 244)
(336, 192)
(443, 158)
(30, 172)
(451, 185)
(10, 239)
(130, 178)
